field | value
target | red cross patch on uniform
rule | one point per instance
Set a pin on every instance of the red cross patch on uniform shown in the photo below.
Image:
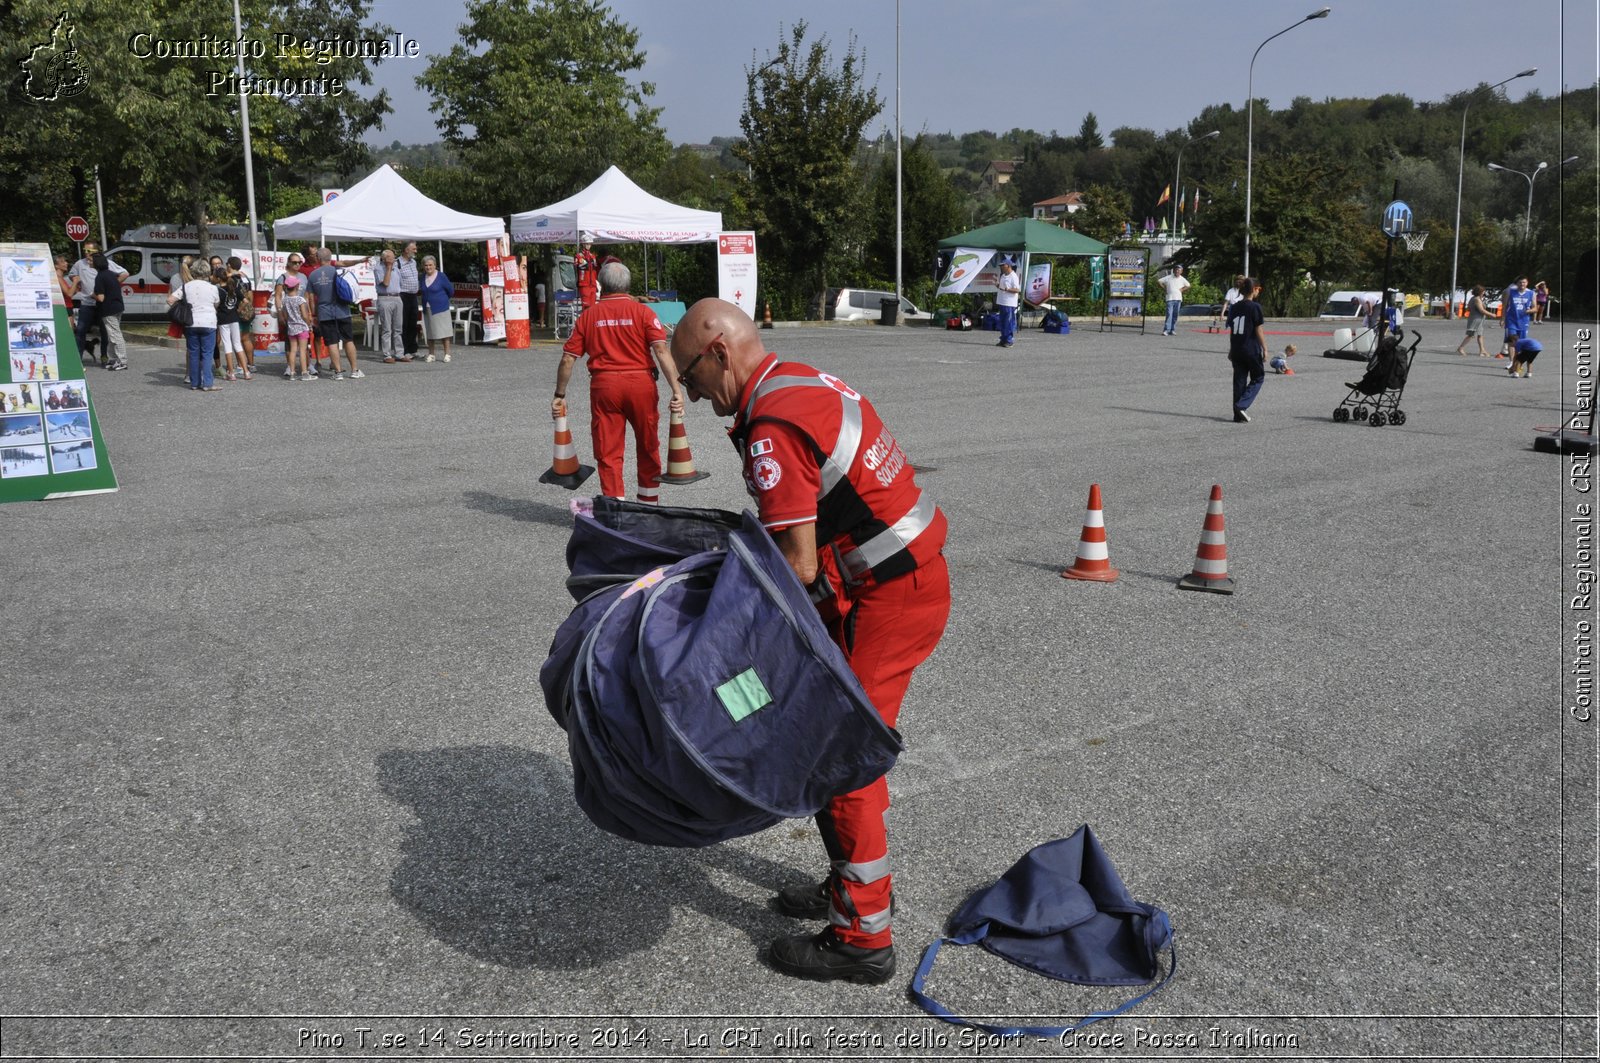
(767, 473)
(840, 386)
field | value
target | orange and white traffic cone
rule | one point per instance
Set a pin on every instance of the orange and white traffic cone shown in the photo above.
(564, 469)
(1211, 559)
(680, 463)
(766, 315)
(1093, 561)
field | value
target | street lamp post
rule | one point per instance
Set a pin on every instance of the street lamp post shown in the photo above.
(1250, 128)
(1177, 178)
(899, 225)
(1461, 166)
(1527, 218)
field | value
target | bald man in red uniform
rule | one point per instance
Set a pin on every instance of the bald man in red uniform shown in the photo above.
(620, 336)
(839, 497)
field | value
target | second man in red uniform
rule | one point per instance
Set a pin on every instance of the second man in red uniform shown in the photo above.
(626, 346)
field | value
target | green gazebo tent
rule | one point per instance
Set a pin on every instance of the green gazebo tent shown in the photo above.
(1029, 236)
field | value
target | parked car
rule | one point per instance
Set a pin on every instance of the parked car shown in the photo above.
(1200, 310)
(859, 304)
(1347, 304)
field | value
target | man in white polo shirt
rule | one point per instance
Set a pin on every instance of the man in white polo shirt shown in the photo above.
(1007, 295)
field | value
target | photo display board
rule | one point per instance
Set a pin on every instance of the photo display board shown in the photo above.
(50, 440)
(1126, 269)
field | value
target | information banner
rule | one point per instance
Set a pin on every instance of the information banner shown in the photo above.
(519, 334)
(1127, 269)
(51, 445)
(1037, 288)
(736, 270)
(965, 266)
(492, 297)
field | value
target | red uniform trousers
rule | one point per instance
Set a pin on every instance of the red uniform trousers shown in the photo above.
(895, 627)
(618, 398)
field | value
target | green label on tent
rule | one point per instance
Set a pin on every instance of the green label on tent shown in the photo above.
(744, 694)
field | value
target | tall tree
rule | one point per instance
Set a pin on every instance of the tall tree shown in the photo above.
(1089, 138)
(165, 129)
(930, 211)
(802, 122)
(537, 102)
(1307, 217)
(1105, 209)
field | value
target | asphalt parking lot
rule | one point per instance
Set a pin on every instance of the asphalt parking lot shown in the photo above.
(277, 760)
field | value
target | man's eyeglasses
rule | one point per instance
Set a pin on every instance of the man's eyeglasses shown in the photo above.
(683, 377)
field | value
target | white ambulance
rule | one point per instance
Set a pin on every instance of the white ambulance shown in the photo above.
(151, 254)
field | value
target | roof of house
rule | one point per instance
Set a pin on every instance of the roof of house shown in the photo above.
(1071, 199)
(1003, 166)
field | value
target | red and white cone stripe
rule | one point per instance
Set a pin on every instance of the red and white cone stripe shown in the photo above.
(680, 461)
(1211, 559)
(1094, 557)
(565, 461)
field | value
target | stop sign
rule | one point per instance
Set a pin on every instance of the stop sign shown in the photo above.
(77, 229)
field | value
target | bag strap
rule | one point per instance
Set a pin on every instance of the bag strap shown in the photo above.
(1158, 933)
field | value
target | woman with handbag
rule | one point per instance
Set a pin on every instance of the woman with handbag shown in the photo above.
(197, 301)
(180, 276)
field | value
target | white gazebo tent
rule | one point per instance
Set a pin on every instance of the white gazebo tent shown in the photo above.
(385, 206)
(614, 210)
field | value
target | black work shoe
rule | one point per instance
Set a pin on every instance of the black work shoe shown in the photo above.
(804, 902)
(1240, 417)
(824, 958)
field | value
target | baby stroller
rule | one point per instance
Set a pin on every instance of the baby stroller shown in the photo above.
(1375, 398)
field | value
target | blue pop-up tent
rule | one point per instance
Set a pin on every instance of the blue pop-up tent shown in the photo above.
(700, 693)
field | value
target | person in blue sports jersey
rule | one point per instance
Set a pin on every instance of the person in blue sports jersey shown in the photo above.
(1518, 309)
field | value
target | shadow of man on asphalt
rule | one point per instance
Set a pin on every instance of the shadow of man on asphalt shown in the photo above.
(503, 865)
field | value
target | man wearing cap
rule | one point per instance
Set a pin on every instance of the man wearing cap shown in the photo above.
(840, 498)
(627, 349)
(587, 268)
(1007, 294)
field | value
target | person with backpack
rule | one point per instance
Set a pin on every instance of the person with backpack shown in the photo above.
(232, 293)
(333, 292)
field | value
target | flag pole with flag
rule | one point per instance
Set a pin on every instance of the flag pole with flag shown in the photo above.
(1166, 194)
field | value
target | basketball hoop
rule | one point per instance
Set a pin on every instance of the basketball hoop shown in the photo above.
(1415, 240)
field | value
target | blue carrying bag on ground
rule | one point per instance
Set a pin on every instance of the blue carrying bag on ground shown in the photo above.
(1061, 911)
(702, 699)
